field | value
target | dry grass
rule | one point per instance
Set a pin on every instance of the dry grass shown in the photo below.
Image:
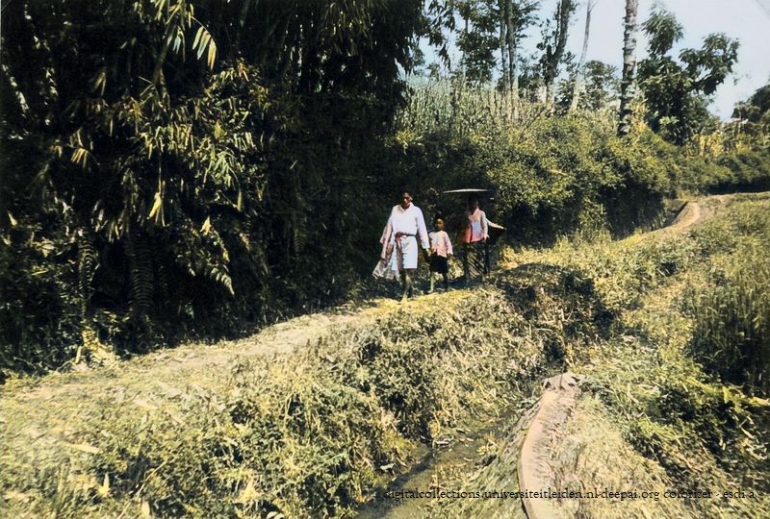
(305, 433)
(650, 419)
(232, 431)
(701, 430)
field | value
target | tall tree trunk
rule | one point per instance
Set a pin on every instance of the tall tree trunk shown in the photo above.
(555, 50)
(508, 42)
(629, 67)
(513, 69)
(466, 31)
(580, 77)
(505, 14)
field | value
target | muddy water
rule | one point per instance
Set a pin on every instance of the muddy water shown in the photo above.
(461, 452)
(454, 457)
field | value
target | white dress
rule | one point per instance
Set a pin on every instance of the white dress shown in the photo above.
(400, 235)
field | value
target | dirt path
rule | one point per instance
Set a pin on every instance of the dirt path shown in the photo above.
(202, 361)
(191, 362)
(46, 407)
(687, 217)
(559, 400)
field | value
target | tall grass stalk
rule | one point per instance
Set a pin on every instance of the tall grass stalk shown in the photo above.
(455, 107)
(732, 324)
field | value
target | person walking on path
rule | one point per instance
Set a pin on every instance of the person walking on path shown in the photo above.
(475, 240)
(405, 225)
(441, 251)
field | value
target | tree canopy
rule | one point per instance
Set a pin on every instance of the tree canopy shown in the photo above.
(676, 92)
(172, 154)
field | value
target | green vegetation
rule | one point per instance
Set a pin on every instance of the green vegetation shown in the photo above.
(308, 434)
(177, 170)
(731, 335)
(190, 189)
(684, 373)
(551, 176)
(171, 171)
(316, 432)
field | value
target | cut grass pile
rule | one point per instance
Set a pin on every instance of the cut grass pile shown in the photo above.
(310, 433)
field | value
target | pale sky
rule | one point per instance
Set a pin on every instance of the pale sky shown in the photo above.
(745, 20)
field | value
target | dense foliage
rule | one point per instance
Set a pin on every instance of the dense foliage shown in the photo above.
(551, 176)
(172, 166)
(676, 92)
(177, 168)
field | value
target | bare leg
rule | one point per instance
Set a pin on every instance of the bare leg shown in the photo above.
(407, 284)
(432, 282)
(409, 287)
(446, 282)
(466, 266)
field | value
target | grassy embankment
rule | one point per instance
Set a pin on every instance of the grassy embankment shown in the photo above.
(311, 433)
(676, 398)
(316, 432)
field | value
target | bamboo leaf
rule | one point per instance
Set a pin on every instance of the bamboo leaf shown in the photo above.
(197, 40)
(206, 227)
(205, 37)
(178, 40)
(80, 157)
(157, 210)
(212, 54)
(100, 81)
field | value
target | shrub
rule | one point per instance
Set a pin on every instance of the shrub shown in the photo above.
(550, 176)
(732, 325)
(747, 171)
(731, 335)
(40, 310)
